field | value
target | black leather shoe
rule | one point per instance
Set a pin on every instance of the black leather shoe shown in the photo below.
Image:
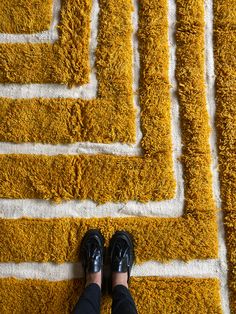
(121, 252)
(92, 251)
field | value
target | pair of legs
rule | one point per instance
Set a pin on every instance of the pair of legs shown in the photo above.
(122, 301)
(121, 256)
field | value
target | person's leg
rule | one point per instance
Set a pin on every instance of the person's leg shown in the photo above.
(122, 301)
(91, 254)
(121, 251)
(89, 301)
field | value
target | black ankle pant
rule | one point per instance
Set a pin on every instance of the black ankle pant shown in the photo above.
(89, 301)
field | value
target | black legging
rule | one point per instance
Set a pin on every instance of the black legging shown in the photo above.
(89, 301)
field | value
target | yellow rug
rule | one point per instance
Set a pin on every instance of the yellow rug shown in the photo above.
(110, 118)
(51, 121)
(151, 294)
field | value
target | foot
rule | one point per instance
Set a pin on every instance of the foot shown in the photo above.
(91, 254)
(121, 252)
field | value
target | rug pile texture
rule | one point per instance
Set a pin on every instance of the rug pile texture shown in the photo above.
(115, 114)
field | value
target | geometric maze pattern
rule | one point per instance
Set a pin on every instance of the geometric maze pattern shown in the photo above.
(109, 118)
(144, 178)
(182, 236)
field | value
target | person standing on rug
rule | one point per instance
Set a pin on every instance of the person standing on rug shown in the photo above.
(121, 258)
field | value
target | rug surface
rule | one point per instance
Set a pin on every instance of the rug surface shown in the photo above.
(115, 115)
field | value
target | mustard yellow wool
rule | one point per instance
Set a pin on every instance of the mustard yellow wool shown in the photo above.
(25, 16)
(95, 177)
(57, 121)
(191, 78)
(225, 69)
(66, 61)
(114, 178)
(151, 294)
(105, 178)
(58, 240)
(67, 177)
(108, 118)
(154, 86)
(102, 178)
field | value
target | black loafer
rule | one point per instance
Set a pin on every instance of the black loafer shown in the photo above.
(92, 251)
(121, 253)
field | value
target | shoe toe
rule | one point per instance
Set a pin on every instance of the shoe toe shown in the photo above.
(92, 250)
(121, 252)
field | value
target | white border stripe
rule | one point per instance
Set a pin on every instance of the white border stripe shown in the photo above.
(56, 272)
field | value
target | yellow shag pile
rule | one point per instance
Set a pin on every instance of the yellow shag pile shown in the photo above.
(152, 295)
(108, 118)
(225, 69)
(58, 240)
(66, 121)
(101, 178)
(25, 16)
(65, 61)
(110, 178)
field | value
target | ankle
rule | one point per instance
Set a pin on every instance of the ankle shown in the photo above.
(119, 279)
(94, 278)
